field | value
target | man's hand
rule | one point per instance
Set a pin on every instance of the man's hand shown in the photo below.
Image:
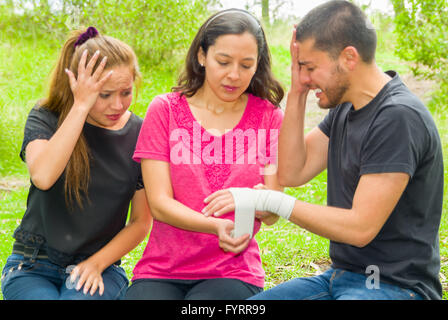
(296, 87)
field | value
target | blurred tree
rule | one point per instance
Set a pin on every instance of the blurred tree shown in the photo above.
(421, 27)
(270, 9)
(157, 30)
(364, 6)
(265, 12)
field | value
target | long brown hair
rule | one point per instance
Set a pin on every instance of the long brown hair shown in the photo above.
(231, 21)
(60, 100)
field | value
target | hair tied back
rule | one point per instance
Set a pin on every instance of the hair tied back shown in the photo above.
(91, 32)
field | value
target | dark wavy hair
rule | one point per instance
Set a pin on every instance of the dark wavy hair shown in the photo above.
(231, 21)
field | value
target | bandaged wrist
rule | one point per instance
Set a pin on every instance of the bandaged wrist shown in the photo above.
(244, 212)
(264, 200)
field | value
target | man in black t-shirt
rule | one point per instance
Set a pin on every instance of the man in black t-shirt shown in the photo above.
(384, 160)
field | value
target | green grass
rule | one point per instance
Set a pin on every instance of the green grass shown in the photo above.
(287, 250)
(443, 231)
(11, 212)
(13, 205)
(22, 69)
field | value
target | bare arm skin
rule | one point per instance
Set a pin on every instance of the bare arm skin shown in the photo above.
(47, 159)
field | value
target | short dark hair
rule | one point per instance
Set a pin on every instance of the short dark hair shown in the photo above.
(337, 24)
(231, 21)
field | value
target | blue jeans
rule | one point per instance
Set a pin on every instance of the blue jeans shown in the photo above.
(43, 280)
(335, 284)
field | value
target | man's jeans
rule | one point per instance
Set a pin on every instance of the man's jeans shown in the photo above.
(23, 279)
(335, 284)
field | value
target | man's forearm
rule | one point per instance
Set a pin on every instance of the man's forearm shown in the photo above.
(292, 148)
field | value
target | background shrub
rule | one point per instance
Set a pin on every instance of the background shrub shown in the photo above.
(157, 30)
(421, 27)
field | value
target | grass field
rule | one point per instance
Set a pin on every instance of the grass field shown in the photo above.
(287, 250)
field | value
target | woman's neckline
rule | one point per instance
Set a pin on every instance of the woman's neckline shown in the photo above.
(228, 131)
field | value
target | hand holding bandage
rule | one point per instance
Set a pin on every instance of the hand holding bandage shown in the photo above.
(264, 200)
(247, 201)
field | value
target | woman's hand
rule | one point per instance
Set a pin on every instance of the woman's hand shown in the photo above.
(222, 202)
(226, 241)
(88, 274)
(88, 85)
(219, 203)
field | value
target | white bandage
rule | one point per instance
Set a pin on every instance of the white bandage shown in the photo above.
(264, 200)
(244, 213)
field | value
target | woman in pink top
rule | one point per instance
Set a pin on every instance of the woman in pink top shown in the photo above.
(217, 129)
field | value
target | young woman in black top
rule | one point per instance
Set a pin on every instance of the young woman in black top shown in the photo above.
(78, 144)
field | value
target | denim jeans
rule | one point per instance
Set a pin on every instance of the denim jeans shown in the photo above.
(335, 284)
(23, 279)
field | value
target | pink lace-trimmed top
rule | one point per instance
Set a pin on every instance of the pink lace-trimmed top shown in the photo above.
(200, 164)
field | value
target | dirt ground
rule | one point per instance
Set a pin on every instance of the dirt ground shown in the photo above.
(12, 184)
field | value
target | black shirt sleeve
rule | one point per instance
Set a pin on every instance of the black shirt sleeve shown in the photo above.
(40, 124)
(393, 143)
(325, 125)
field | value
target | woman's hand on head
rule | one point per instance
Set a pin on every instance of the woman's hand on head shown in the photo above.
(88, 85)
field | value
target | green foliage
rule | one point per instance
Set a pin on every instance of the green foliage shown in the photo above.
(421, 27)
(157, 30)
(13, 204)
(32, 33)
(23, 70)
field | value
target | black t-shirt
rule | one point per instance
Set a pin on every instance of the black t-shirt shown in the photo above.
(71, 235)
(393, 133)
